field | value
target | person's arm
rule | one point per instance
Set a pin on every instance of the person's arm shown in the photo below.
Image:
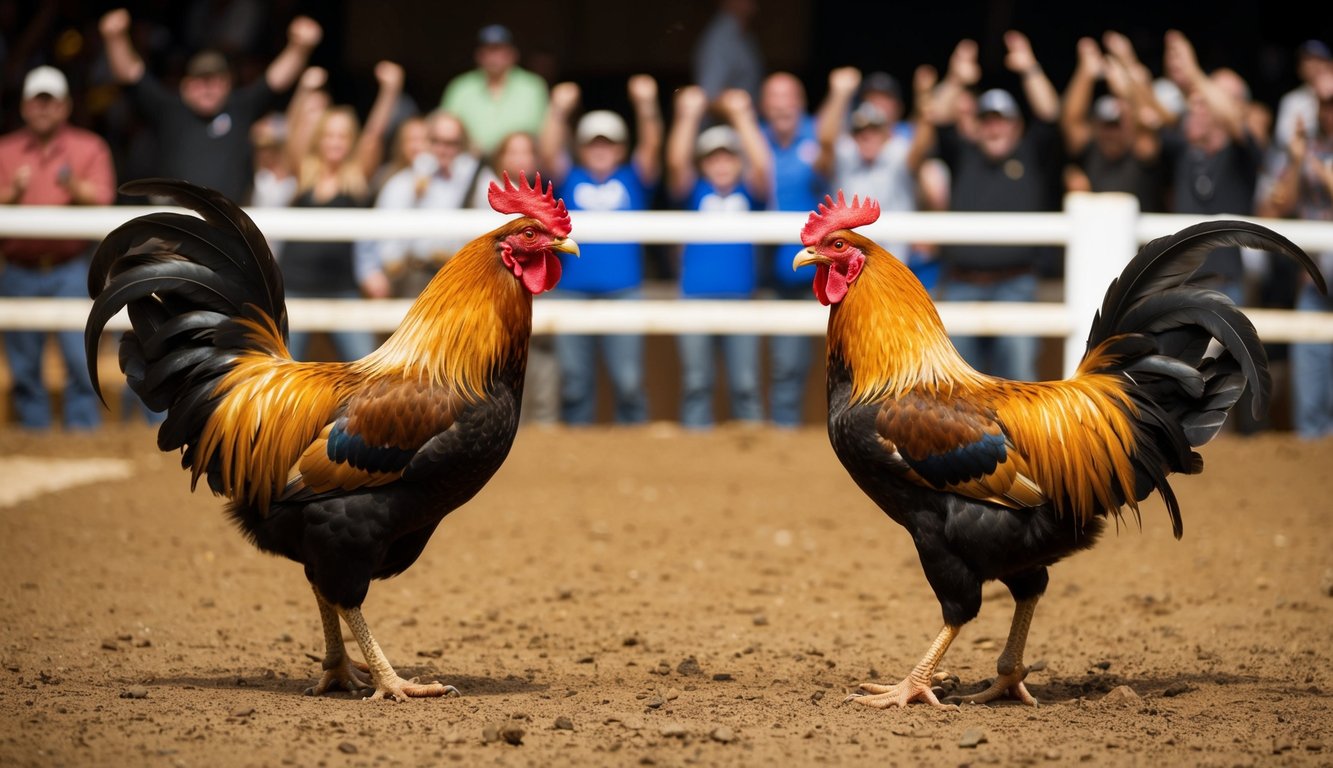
(1182, 66)
(1139, 119)
(1074, 123)
(95, 182)
(831, 121)
(553, 140)
(691, 102)
(648, 120)
(1043, 99)
(303, 113)
(126, 66)
(370, 145)
(963, 72)
(924, 80)
(758, 156)
(303, 34)
(1282, 198)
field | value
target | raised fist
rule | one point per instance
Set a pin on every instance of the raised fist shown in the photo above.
(304, 32)
(115, 23)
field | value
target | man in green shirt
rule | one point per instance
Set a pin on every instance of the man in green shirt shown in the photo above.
(498, 97)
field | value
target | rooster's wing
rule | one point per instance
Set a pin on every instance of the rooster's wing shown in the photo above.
(954, 445)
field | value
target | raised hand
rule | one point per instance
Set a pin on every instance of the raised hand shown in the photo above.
(691, 102)
(564, 97)
(642, 89)
(390, 75)
(735, 103)
(1019, 57)
(114, 23)
(304, 32)
(844, 80)
(963, 65)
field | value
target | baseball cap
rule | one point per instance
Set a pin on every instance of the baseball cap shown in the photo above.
(495, 34)
(722, 137)
(881, 82)
(45, 80)
(1106, 109)
(997, 101)
(868, 116)
(1316, 49)
(604, 123)
(207, 64)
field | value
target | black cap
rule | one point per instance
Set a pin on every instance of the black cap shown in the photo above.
(881, 82)
(495, 34)
(1315, 49)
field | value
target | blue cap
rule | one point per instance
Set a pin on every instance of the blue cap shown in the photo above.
(495, 34)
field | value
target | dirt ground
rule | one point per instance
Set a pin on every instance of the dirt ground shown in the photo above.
(650, 597)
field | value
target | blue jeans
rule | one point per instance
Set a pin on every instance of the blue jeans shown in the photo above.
(1312, 375)
(789, 366)
(740, 354)
(1010, 357)
(622, 354)
(350, 345)
(23, 349)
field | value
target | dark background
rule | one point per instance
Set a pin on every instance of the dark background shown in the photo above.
(598, 43)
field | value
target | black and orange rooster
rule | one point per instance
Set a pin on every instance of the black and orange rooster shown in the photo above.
(998, 479)
(346, 468)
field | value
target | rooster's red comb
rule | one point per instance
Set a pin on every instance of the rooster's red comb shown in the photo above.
(531, 201)
(833, 216)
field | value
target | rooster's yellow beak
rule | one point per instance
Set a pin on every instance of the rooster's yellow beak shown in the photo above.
(565, 245)
(808, 256)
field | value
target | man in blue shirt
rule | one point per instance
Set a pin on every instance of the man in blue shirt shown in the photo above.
(603, 176)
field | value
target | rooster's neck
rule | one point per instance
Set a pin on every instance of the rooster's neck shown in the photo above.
(472, 320)
(888, 335)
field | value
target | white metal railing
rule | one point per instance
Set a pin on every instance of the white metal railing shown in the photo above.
(1101, 233)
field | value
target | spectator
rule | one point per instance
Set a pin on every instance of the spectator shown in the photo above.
(725, 169)
(49, 162)
(517, 154)
(1004, 165)
(409, 141)
(606, 177)
(442, 179)
(499, 96)
(1303, 187)
(334, 159)
(1112, 147)
(203, 132)
(274, 183)
(727, 53)
(869, 153)
(1212, 157)
(1314, 62)
(797, 186)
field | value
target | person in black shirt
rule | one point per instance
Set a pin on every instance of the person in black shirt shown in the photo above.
(203, 129)
(1004, 163)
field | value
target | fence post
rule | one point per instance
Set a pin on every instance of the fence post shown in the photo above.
(1101, 242)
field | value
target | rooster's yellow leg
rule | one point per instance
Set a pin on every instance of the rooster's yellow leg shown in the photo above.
(340, 671)
(1010, 669)
(386, 681)
(916, 686)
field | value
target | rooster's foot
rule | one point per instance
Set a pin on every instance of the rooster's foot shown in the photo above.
(1010, 685)
(342, 674)
(899, 695)
(399, 689)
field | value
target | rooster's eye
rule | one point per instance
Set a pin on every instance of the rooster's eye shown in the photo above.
(838, 245)
(529, 234)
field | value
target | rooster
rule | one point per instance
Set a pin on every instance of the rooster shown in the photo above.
(346, 468)
(999, 479)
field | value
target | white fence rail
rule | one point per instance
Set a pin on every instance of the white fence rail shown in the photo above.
(1100, 232)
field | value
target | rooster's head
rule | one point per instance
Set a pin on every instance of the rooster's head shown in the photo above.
(528, 245)
(830, 244)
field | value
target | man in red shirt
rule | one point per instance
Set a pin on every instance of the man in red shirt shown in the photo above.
(49, 162)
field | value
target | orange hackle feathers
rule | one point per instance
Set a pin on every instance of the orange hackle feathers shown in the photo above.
(833, 216)
(530, 201)
(1073, 439)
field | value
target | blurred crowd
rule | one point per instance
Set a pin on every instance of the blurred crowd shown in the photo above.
(740, 137)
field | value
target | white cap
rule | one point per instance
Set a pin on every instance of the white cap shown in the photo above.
(1106, 109)
(47, 80)
(715, 138)
(604, 123)
(997, 101)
